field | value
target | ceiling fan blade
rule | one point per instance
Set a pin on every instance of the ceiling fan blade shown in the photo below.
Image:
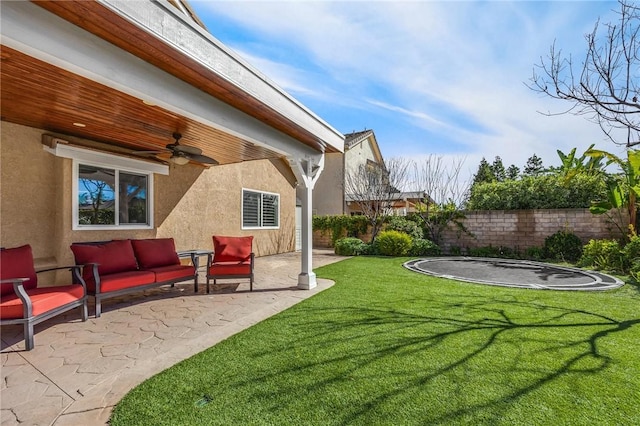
(203, 159)
(190, 150)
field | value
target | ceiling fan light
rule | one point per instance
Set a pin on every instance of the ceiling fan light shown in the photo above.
(179, 160)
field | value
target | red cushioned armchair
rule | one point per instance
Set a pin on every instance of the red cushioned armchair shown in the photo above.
(232, 258)
(23, 302)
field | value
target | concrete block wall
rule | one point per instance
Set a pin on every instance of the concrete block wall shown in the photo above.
(522, 229)
(519, 229)
(322, 239)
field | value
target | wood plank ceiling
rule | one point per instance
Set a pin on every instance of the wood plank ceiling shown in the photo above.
(37, 94)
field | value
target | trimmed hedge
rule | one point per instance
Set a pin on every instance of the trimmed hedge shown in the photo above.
(537, 192)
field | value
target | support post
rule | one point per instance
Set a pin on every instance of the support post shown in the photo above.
(307, 278)
(307, 171)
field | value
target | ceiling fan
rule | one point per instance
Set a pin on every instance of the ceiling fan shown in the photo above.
(181, 154)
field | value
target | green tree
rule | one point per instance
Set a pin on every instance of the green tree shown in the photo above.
(484, 173)
(622, 193)
(533, 166)
(513, 172)
(497, 168)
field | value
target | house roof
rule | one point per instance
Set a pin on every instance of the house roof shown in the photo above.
(352, 139)
(355, 138)
(135, 72)
(184, 7)
(397, 196)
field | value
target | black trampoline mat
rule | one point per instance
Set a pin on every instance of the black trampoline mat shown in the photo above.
(514, 273)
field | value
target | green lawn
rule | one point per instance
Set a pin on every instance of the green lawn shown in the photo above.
(387, 346)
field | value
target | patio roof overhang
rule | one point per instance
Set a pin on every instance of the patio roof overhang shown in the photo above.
(135, 72)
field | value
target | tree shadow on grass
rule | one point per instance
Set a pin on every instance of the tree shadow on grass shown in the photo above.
(474, 336)
(634, 284)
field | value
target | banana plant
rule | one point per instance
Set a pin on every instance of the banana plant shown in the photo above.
(617, 188)
(571, 166)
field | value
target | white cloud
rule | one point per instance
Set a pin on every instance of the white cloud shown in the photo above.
(421, 116)
(453, 71)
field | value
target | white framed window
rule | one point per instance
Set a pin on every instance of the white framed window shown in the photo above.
(110, 198)
(260, 210)
(109, 191)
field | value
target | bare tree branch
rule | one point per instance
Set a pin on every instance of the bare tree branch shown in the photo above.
(446, 195)
(373, 187)
(605, 88)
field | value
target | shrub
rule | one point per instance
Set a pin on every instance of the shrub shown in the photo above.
(602, 254)
(393, 243)
(563, 245)
(634, 271)
(341, 226)
(421, 247)
(455, 251)
(350, 247)
(402, 224)
(534, 253)
(631, 252)
(490, 251)
(370, 250)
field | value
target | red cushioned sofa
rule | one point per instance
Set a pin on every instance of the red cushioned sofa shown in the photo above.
(233, 257)
(114, 268)
(23, 302)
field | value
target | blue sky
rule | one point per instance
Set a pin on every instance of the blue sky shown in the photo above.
(444, 78)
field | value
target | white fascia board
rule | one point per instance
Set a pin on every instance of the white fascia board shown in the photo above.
(36, 32)
(164, 22)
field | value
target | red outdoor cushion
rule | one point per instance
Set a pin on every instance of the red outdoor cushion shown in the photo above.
(43, 300)
(112, 257)
(120, 280)
(234, 268)
(17, 263)
(155, 252)
(229, 249)
(173, 272)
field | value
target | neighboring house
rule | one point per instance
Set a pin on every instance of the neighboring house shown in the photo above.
(330, 197)
(91, 93)
(402, 203)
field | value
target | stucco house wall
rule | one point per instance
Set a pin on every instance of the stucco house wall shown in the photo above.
(328, 196)
(329, 192)
(190, 204)
(359, 154)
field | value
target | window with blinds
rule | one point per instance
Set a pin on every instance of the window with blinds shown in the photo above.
(260, 209)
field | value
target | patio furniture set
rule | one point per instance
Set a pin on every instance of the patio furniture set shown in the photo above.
(109, 269)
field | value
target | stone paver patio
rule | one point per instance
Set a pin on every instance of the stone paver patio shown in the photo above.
(79, 370)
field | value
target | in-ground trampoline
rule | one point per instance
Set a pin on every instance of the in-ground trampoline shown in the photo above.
(513, 273)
